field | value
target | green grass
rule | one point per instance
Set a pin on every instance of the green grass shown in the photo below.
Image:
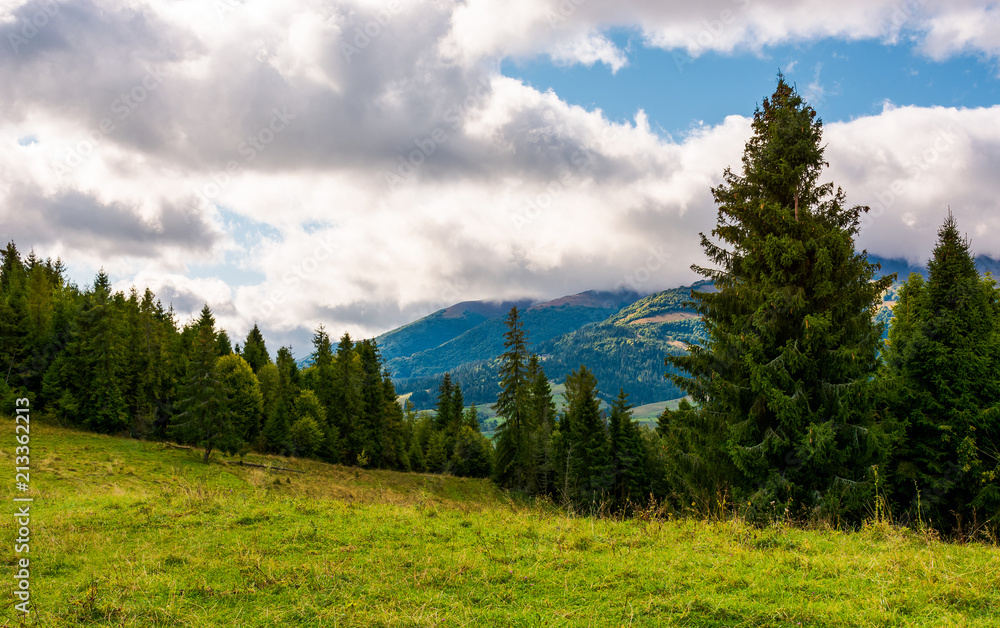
(129, 533)
(649, 413)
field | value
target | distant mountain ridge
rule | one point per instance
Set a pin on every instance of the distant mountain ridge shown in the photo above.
(471, 332)
(903, 268)
(441, 326)
(621, 336)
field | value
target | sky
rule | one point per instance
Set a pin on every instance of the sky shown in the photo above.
(362, 163)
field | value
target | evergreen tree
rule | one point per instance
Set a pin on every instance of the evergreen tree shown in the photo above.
(102, 403)
(944, 345)
(412, 437)
(277, 426)
(40, 295)
(470, 418)
(245, 398)
(347, 409)
(786, 371)
(542, 412)
(590, 461)
(135, 381)
(322, 359)
(627, 463)
(444, 416)
(515, 460)
(269, 386)
(307, 433)
(254, 350)
(393, 443)
(277, 431)
(438, 458)
(373, 419)
(62, 381)
(323, 383)
(472, 455)
(14, 320)
(223, 345)
(207, 418)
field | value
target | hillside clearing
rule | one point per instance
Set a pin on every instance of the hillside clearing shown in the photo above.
(130, 533)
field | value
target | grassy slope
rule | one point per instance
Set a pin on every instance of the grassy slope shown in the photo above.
(128, 533)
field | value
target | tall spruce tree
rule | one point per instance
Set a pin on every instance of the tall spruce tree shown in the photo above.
(373, 419)
(103, 404)
(944, 345)
(395, 454)
(785, 373)
(322, 358)
(590, 461)
(627, 461)
(277, 427)
(245, 398)
(444, 410)
(347, 410)
(542, 410)
(14, 319)
(514, 461)
(207, 418)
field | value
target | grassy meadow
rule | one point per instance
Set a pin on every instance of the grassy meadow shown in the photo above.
(139, 534)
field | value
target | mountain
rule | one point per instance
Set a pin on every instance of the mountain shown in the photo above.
(627, 349)
(441, 326)
(443, 346)
(902, 268)
(622, 337)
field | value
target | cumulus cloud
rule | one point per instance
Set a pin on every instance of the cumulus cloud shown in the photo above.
(397, 172)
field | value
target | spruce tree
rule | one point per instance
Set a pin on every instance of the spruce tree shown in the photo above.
(324, 385)
(627, 463)
(514, 461)
(392, 437)
(444, 410)
(246, 400)
(307, 430)
(277, 426)
(223, 345)
(944, 345)
(785, 374)
(102, 336)
(207, 418)
(14, 320)
(373, 422)
(347, 409)
(269, 384)
(590, 459)
(254, 350)
(322, 359)
(542, 411)
(471, 418)
(473, 454)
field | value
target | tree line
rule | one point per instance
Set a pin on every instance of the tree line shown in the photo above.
(116, 364)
